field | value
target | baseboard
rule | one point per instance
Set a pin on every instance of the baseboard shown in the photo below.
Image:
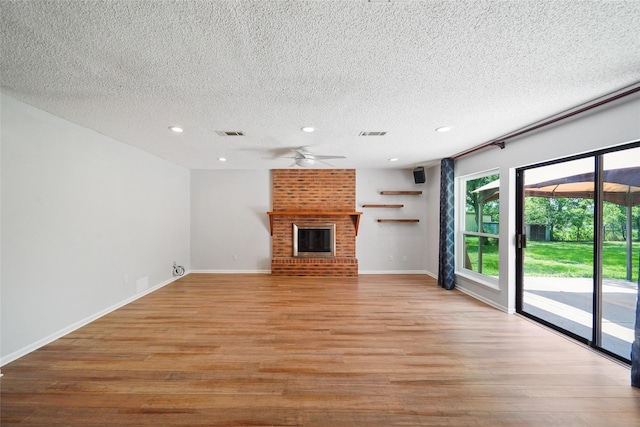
(231, 271)
(77, 325)
(392, 272)
(483, 299)
(269, 272)
(476, 296)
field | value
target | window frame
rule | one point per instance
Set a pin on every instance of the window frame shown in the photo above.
(461, 232)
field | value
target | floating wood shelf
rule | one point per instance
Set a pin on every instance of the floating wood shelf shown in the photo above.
(355, 216)
(404, 193)
(398, 220)
(382, 206)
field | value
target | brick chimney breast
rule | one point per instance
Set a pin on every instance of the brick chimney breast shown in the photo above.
(321, 190)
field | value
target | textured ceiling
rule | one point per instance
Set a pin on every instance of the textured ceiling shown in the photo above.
(129, 69)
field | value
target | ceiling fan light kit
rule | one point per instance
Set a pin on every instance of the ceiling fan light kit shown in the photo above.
(305, 162)
(304, 158)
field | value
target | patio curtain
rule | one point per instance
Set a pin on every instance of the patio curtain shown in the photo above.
(635, 347)
(446, 266)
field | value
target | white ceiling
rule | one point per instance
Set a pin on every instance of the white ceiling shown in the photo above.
(130, 69)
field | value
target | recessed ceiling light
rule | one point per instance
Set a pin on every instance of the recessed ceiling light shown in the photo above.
(176, 129)
(444, 129)
(222, 159)
(308, 129)
(393, 159)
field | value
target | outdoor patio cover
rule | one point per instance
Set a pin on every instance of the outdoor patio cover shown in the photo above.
(620, 186)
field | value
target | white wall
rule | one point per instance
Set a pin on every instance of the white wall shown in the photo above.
(229, 221)
(230, 227)
(391, 247)
(614, 124)
(80, 211)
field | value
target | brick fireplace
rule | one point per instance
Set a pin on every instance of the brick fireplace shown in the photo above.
(312, 196)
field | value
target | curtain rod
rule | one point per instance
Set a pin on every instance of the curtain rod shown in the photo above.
(499, 142)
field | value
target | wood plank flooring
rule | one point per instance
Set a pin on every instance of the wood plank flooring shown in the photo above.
(257, 350)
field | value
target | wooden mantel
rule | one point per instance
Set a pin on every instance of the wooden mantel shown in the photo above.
(355, 216)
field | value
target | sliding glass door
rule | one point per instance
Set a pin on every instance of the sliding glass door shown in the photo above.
(577, 263)
(620, 249)
(557, 285)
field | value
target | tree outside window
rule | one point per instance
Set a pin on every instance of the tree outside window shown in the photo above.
(481, 224)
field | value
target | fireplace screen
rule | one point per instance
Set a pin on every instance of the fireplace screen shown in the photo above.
(314, 240)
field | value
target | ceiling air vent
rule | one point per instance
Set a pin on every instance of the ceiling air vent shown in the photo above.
(230, 133)
(363, 133)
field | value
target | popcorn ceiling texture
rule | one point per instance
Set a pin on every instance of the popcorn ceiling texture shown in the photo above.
(129, 69)
(313, 190)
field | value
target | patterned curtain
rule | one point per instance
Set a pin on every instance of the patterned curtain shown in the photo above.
(446, 267)
(635, 347)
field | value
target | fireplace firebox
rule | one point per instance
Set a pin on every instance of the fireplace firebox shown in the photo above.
(314, 240)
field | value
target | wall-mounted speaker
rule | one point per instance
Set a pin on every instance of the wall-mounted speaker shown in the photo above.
(419, 176)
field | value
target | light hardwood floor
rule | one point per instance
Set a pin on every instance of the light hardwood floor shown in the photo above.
(257, 350)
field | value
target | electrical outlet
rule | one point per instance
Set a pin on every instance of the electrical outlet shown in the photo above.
(235, 257)
(390, 257)
(125, 280)
(404, 258)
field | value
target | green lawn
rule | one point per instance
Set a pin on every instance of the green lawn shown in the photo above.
(575, 259)
(489, 258)
(564, 259)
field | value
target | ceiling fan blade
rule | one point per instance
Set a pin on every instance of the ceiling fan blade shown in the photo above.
(304, 158)
(326, 163)
(279, 157)
(319, 157)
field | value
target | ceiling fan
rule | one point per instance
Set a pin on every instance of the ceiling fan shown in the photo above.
(304, 158)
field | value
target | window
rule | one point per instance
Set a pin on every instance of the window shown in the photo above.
(478, 241)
